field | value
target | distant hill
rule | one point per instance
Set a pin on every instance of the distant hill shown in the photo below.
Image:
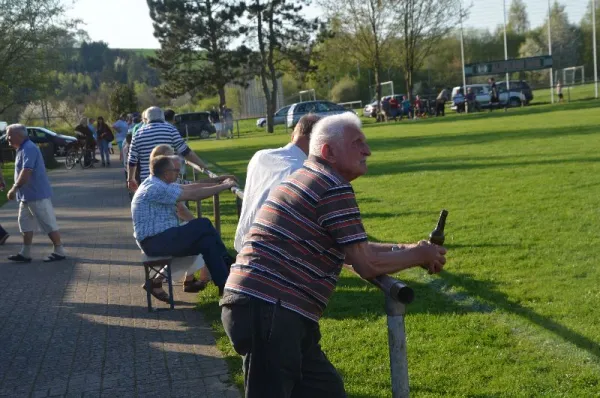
(145, 52)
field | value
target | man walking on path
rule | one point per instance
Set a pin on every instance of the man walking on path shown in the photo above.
(32, 190)
(154, 133)
(267, 169)
(121, 127)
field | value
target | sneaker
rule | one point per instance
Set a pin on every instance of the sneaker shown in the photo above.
(19, 258)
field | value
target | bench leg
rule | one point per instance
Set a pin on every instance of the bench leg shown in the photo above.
(148, 287)
(170, 283)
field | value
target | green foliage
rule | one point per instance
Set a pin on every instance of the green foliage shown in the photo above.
(514, 313)
(345, 90)
(29, 48)
(122, 100)
(194, 38)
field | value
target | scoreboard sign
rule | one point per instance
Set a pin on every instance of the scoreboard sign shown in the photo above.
(508, 66)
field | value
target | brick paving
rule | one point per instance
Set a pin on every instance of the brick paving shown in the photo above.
(80, 327)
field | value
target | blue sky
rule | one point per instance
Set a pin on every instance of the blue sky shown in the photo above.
(126, 23)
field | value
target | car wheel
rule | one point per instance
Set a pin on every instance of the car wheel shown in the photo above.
(204, 134)
(61, 150)
(514, 102)
(263, 124)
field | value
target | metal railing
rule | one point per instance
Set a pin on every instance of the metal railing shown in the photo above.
(397, 296)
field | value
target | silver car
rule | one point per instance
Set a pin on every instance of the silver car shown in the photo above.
(280, 117)
(319, 108)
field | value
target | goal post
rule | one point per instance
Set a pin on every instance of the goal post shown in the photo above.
(387, 88)
(309, 94)
(571, 76)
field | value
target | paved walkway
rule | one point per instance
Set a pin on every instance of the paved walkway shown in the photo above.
(81, 327)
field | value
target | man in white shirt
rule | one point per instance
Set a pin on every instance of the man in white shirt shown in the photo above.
(267, 169)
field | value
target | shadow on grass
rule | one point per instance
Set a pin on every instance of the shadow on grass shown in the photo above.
(485, 290)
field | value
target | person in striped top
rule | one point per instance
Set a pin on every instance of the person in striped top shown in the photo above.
(152, 134)
(281, 282)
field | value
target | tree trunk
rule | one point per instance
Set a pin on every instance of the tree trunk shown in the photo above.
(409, 85)
(222, 100)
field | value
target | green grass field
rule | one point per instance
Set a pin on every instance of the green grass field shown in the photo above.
(515, 312)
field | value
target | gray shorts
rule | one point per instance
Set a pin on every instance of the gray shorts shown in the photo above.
(40, 211)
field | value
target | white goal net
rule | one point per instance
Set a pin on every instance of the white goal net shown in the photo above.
(570, 76)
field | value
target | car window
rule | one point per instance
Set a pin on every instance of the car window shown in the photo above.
(300, 108)
(36, 133)
(283, 111)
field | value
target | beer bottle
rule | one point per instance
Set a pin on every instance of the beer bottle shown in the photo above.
(437, 235)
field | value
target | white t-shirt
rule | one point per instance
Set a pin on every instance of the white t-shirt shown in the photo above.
(266, 170)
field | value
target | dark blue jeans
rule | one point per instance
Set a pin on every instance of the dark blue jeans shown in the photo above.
(196, 237)
(2, 231)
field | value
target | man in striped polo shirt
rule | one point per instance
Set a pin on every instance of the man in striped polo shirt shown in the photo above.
(152, 134)
(288, 267)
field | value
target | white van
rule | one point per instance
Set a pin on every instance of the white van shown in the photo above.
(482, 95)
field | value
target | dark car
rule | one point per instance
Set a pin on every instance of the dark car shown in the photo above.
(196, 124)
(41, 135)
(519, 86)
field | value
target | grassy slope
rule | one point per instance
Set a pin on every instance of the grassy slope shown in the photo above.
(514, 313)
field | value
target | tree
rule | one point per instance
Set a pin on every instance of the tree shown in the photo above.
(369, 28)
(587, 40)
(122, 100)
(280, 33)
(194, 36)
(423, 23)
(518, 21)
(31, 31)
(345, 90)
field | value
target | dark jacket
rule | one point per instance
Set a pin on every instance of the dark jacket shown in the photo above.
(84, 134)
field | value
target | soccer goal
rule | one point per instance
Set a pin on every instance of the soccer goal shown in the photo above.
(307, 95)
(570, 76)
(387, 88)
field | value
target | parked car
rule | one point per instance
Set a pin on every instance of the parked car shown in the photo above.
(319, 108)
(195, 124)
(280, 117)
(371, 109)
(41, 135)
(482, 95)
(517, 85)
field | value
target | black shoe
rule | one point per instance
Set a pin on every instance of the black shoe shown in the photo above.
(19, 258)
(103, 164)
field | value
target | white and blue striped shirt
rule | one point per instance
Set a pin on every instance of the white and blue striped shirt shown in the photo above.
(147, 138)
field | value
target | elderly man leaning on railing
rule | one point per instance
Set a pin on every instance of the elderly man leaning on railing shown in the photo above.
(290, 261)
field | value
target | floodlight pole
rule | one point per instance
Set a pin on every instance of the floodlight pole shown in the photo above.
(462, 55)
(550, 51)
(506, 53)
(595, 48)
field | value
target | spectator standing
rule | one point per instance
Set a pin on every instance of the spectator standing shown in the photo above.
(394, 107)
(419, 109)
(472, 104)
(494, 98)
(282, 280)
(459, 101)
(121, 127)
(3, 234)
(406, 110)
(228, 121)
(154, 133)
(32, 190)
(559, 91)
(91, 122)
(105, 136)
(440, 102)
(216, 121)
(267, 168)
